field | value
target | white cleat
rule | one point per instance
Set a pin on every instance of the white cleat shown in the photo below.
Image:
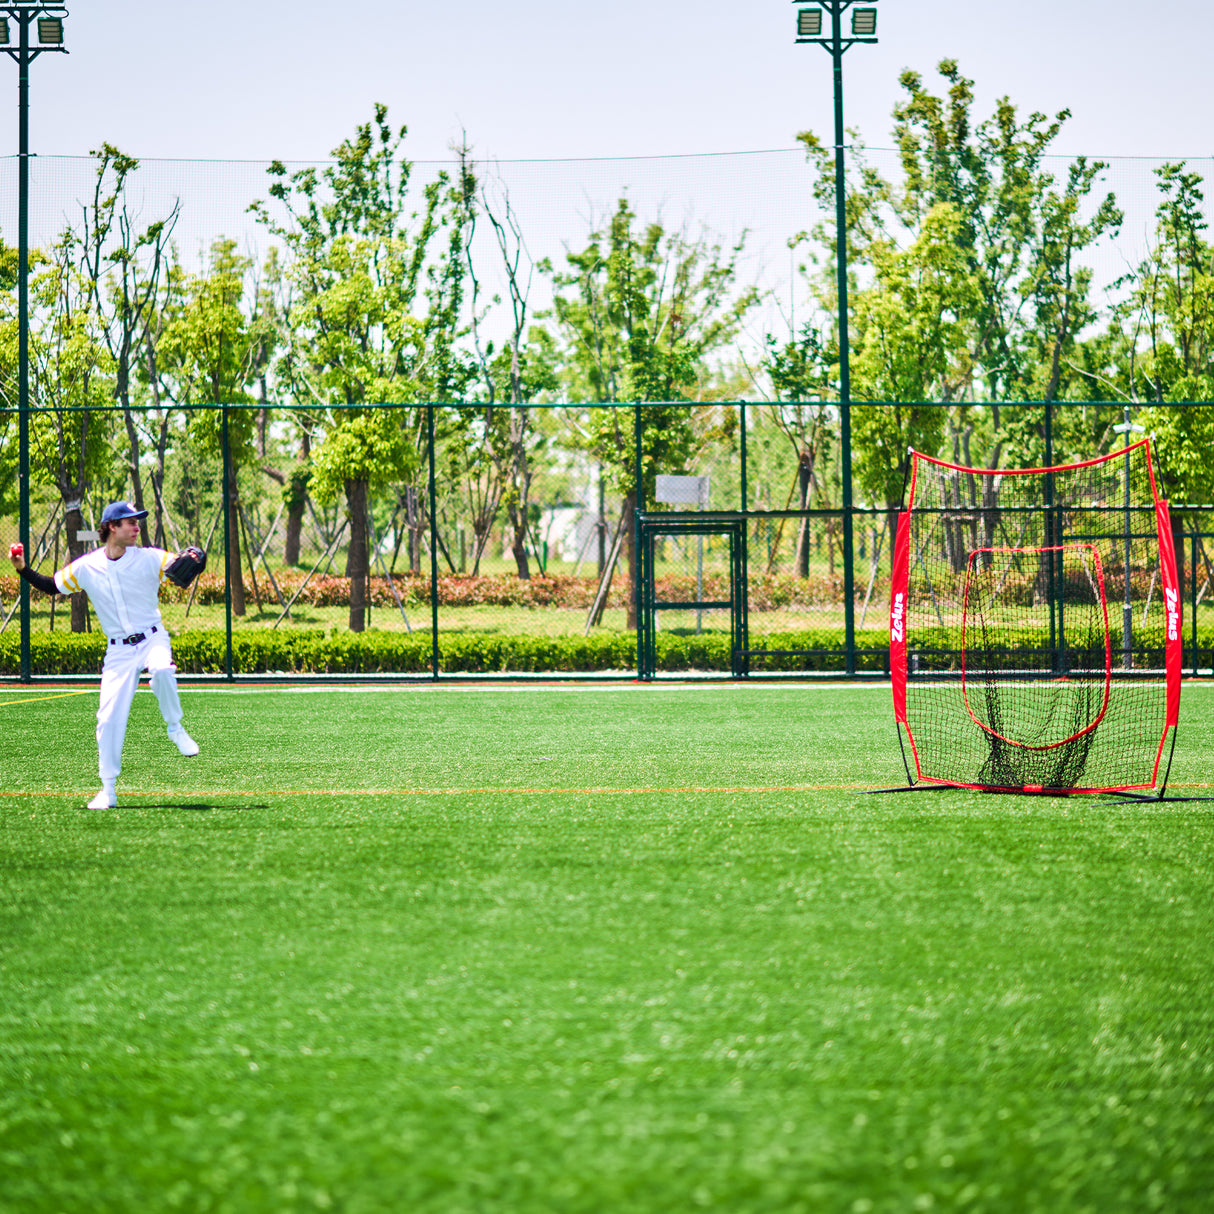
(183, 742)
(105, 799)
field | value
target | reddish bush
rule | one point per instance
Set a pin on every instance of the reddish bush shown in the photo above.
(768, 592)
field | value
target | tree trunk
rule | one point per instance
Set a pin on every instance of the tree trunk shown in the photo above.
(520, 477)
(136, 475)
(805, 472)
(630, 553)
(357, 565)
(892, 510)
(162, 446)
(518, 545)
(235, 572)
(415, 520)
(73, 522)
(297, 504)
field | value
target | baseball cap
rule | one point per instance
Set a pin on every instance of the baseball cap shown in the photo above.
(120, 510)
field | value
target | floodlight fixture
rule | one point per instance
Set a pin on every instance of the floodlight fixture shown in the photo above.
(809, 23)
(864, 22)
(50, 31)
(3, 31)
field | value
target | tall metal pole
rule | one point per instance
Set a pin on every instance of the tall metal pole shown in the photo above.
(25, 14)
(24, 58)
(227, 498)
(742, 486)
(432, 486)
(1127, 430)
(864, 29)
(1127, 607)
(638, 497)
(849, 595)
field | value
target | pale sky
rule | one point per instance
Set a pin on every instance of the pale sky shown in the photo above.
(542, 79)
(562, 103)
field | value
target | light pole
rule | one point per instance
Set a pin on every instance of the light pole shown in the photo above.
(863, 29)
(48, 19)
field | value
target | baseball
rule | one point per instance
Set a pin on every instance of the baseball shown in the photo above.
(16, 549)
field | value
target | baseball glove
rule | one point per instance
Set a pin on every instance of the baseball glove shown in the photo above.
(186, 565)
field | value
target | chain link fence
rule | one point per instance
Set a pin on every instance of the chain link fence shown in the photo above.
(505, 552)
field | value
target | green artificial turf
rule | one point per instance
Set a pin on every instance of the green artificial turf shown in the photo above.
(584, 949)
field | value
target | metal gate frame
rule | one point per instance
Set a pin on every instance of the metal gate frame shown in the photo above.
(652, 525)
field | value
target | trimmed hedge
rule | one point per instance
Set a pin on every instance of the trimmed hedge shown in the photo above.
(310, 651)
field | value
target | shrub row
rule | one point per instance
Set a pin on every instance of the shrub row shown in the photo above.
(310, 651)
(768, 592)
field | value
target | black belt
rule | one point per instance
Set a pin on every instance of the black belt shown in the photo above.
(136, 638)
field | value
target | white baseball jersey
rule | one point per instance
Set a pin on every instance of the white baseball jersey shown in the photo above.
(124, 593)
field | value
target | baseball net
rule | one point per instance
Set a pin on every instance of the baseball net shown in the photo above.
(1035, 632)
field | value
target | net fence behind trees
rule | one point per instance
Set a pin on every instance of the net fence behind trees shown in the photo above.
(493, 552)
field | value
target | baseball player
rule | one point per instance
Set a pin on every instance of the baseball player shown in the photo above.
(123, 583)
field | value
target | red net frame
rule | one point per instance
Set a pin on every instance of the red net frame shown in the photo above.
(1009, 670)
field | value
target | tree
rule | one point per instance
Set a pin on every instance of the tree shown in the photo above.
(209, 354)
(126, 271)
(375, 317)
(9, 389)
(638, 316)
(70, 375)
(967, 282)
(799, 373)
(1163, 342)
(497, 436)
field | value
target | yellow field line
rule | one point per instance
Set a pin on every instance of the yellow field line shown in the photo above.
(36, 699)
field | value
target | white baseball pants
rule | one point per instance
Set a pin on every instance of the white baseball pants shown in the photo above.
(119, 681)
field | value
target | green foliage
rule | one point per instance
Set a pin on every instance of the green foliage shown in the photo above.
(311, 651)
(70, 369)
(913, 326)
(1161, 345)
(127, 270)
(374, 318)
(1167, 322)
(638, 316)
(369, 445)
(1180, 452)
(639, 312)
(209, 346)
(883, 434)
(966, 277)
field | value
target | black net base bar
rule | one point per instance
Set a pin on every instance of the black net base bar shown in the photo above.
(1035, 626)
